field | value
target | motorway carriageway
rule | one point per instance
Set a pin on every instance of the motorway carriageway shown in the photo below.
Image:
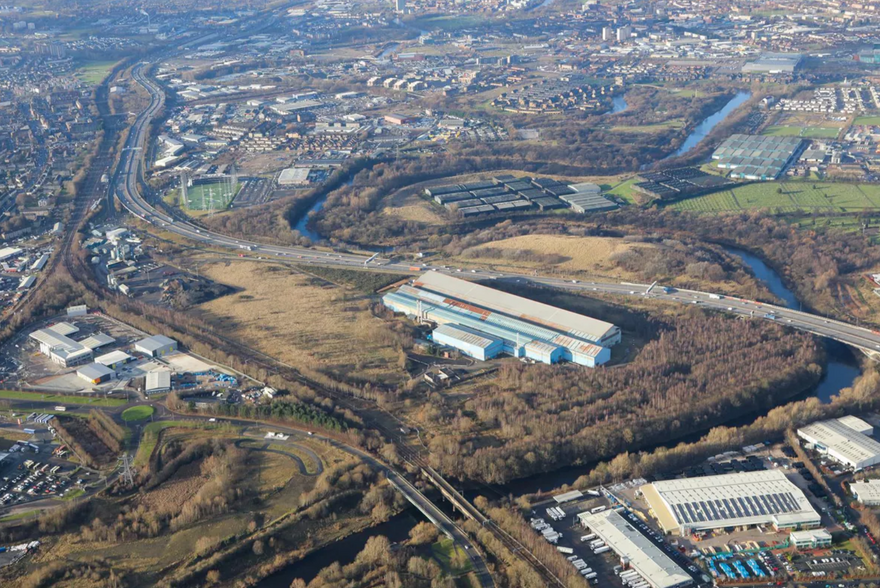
(126, 187)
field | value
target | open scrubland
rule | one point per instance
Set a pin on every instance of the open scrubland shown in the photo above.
(303, 320)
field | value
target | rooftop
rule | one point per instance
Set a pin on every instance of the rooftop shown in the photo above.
(866, 491)
(842, 440)
(155, 342)
(467, 335)
(729, 500)
(94, 371)
(644, 556)
(538, 313)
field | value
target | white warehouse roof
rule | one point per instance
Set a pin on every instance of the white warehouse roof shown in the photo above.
(574, 324)
(158, 381)
(843, 443)
(113, 357)
(729, 500)
(466, 335)
(644, 556)
(856, 424)
(94, 371)
(97, 340)
(867, 492)
(153, 343)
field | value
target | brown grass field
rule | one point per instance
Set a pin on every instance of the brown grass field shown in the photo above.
(301, 320)
(583, 255)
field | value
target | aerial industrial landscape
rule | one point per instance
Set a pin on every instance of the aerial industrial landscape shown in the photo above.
(429, 294)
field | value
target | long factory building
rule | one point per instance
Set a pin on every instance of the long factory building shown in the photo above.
(483, 322)
(845, 440)
(730, 500)
(651, 563)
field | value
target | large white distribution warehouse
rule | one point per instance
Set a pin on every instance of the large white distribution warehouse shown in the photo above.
(654, 566)
(484, 322)
(730, 500)
(844, 440)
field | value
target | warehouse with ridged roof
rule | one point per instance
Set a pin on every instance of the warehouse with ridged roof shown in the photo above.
(483, 322)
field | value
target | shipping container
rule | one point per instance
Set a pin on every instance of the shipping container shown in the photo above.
(601, 550)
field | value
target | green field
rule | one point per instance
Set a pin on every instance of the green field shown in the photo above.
(815, 132)
(61, 399)
(137, 413)
(811, 196)
(94, 72)
(213, 196)
(867, 120)
(444, 550)
(674, 124)
(623, 190)
(151, 436)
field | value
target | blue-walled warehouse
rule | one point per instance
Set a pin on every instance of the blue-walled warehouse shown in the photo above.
(483, 322)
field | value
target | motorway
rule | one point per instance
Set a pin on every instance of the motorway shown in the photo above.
(126, 186)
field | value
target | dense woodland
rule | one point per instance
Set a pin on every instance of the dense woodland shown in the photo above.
(811, 261)
(700, 371)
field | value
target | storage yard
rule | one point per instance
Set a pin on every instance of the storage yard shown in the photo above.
(482, 322)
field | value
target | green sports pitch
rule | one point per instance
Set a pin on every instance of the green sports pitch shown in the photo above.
(209, 196)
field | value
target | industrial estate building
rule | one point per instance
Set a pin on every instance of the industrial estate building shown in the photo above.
(511, 194)
(651, 563)
(96, 373)
(56, 344)
(114, 359)
(730, 500)
(156, 346)
(773, 63)
(756, 157)
(157, 382)
(483, 322)
(866, 492)
(845, 440)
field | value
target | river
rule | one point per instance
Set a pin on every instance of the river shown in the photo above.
(618, 104)
(396, 529)
(302, 225)
(842, 366)
(709, 123)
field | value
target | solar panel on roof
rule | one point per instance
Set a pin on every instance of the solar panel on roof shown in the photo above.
(715, 516)
(778, 502)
